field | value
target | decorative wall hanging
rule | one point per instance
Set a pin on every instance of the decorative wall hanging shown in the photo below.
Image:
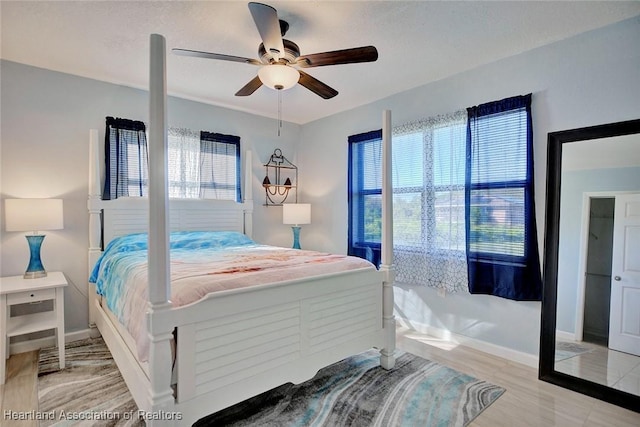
(281, 178)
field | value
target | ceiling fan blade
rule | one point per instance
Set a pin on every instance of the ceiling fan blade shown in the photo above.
(316, 86)
(250, 87)
(209, 55)
(266, 19)
(336, 57)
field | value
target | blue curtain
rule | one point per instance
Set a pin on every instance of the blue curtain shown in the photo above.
(365, 196)
(220, 166)
(501, 236)
(126, 158)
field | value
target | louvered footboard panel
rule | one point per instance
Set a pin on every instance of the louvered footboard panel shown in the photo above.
(343, 316)
(261, 339)
(234, 348)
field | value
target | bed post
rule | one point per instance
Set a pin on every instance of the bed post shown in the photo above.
(248, 194)
(93, 205)
(160, 332)
(387, 357)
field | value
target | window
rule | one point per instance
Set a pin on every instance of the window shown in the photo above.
(203, 165)
(428, 183)
(219, 166)
(365, 195)
(497, 188)
(428, 197)
(184, 163)
(200, 164)
(428, 200)
(502, 245)
(126, 159)
(462, 201)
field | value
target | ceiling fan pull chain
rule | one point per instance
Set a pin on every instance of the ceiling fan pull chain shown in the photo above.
(279, 111)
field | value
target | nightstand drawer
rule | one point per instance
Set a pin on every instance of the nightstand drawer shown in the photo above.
(31, 296)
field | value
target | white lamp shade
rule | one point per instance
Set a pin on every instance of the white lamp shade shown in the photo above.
(278, 76)
(296, 213)
(33, 214)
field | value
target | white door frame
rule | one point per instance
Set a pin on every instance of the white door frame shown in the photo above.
(582, 260)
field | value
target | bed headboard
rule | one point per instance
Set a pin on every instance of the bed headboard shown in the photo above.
(131, 215)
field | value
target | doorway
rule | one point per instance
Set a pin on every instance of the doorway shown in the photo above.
(597, 291)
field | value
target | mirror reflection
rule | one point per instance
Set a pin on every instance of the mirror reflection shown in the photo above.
(598, 277)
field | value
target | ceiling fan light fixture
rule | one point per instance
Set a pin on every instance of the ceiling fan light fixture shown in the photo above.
(278, 76)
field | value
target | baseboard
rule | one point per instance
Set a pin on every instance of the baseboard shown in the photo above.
(565, 336)
(486, 347)
(38, 343)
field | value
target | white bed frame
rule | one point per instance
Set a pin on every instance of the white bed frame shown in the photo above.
(231, 345)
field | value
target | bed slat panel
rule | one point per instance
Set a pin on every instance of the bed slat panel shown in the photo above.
(335, 337)
(235, 360)
(236, 347)
(343, 316)
(229, 343)
(249, 319)
(245, 369)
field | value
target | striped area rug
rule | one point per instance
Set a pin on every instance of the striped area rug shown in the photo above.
(353, 392)
(358, 392)
(89, 391)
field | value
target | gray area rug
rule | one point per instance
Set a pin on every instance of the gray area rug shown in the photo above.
(89, 391)
(353, 392)
(358, 392)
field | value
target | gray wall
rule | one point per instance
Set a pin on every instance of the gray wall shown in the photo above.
(46, 117)
(586, 80)
(574, 185)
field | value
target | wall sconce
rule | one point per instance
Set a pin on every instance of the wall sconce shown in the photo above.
(296, 214)
(277, 182)
(33, 215)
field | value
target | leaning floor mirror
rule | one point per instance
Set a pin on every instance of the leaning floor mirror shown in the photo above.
(590, 331)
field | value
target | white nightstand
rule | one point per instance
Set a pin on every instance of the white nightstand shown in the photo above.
(18, 290)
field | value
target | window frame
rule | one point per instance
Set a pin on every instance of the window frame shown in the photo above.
(522, 184)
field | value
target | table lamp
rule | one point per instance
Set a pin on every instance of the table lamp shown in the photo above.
(33, 215)
(296, 214)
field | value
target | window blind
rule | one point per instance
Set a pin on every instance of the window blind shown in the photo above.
(498, 180)
(365, 195)
(220, 166)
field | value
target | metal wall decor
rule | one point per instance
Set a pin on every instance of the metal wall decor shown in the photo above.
(281, 179)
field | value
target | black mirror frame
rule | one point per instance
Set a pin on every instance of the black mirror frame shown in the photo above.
(550, 270)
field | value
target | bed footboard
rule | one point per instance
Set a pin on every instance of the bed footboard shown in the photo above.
(239, 345)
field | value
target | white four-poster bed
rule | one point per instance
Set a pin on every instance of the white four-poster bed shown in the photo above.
(313, 322)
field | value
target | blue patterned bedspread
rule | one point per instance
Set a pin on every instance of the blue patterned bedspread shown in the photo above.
(201, 263)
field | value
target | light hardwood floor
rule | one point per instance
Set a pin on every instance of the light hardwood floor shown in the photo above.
(19, 393)
(527, 401)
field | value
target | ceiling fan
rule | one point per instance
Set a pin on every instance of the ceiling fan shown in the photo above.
(280, 59)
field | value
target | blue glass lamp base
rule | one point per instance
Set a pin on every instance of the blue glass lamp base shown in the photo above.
(35, 268)
(296, 237)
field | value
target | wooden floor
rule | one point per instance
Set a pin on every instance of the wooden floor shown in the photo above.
(19, 393)
(527, 401)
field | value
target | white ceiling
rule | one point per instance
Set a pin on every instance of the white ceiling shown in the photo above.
(418, 42)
